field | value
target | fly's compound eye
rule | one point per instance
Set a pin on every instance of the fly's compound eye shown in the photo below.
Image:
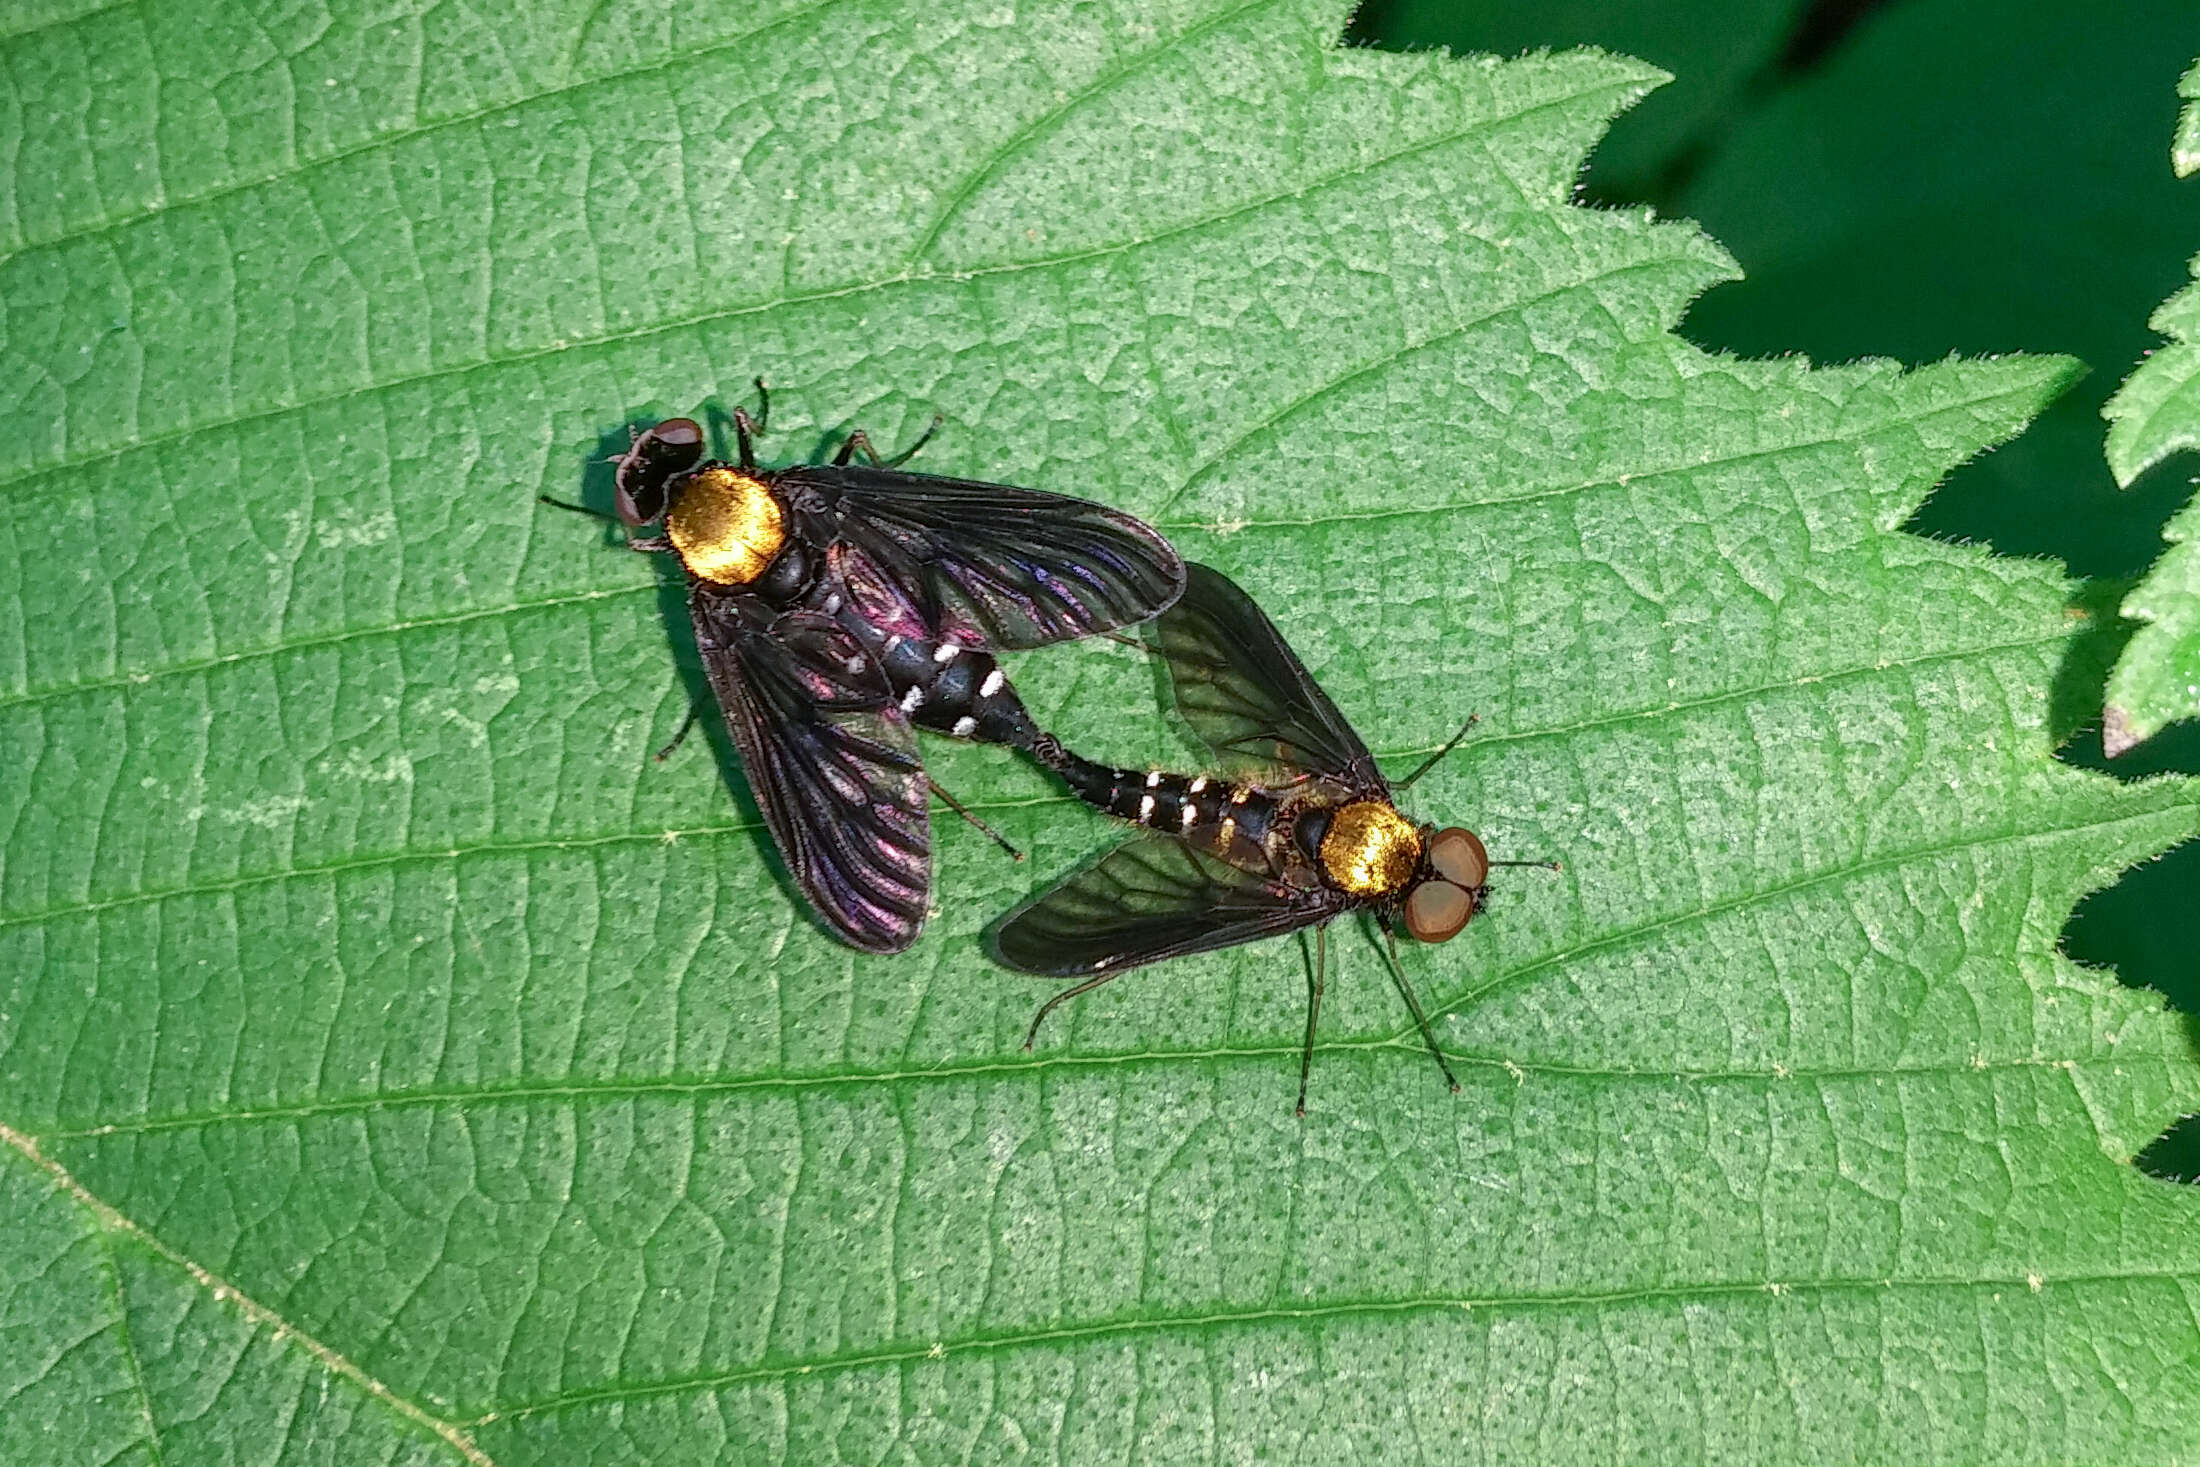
(1459, 858)
(657, 457)
(1437, 910)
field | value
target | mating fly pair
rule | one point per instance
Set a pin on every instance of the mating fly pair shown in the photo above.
(838, 607)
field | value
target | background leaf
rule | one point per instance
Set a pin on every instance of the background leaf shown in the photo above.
(2184, 150)
(2155, 414)
(1717, 52)
(396, 1066)
(1924, 190)
(2157, 678)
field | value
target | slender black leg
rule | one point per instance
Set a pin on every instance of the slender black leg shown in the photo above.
(1131, 642)
(687, 726)
(1313, 1009)
(859, 443)
(1398, 972)
(1064, 997)
(1430, 762)
(922, 438)
(746, 430)
(957, 806)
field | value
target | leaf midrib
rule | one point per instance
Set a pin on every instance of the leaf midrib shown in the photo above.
(107, 1221)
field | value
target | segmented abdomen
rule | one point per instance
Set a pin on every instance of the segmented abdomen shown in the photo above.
(1231, 820)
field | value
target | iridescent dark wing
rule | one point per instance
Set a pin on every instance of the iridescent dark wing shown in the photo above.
(990, 565)
(832, 763)
(1151, 898)
(1245, 692)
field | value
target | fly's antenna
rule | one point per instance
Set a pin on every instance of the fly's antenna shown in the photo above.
(1430, 762)
(594, 514)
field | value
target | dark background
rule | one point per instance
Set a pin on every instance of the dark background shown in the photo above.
(1911, 178)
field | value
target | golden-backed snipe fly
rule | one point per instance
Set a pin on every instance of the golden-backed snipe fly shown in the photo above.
(1299, 830)
(840, 606)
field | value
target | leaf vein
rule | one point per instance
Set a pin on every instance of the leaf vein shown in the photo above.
(615, 1091)
(111, 1222)
(1220, 1319)
(802, 298)
(1023, 138)
(675, 61)
(1462, 506)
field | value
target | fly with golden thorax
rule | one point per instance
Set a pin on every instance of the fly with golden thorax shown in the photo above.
(1298, 830)
(839, 607)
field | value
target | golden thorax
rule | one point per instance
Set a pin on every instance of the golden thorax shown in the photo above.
(1370, 849)
(727, 526)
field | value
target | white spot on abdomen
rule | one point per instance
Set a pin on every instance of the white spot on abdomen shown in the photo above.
(965, 726)
(912, 700)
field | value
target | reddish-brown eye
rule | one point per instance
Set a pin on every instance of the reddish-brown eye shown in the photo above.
(1458, 857)
(677, 433)
(1437, 910)
(656, 458)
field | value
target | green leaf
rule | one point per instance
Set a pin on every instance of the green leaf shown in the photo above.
(397, 1065)
(2184, 148)
(1716, 50)
(2157, 677)
(2156, 414)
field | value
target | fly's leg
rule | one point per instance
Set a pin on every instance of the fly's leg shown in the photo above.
(983, 829)
(1076, 991)
(859, 442)
(651, 544)
(1313, 1009)
(1430, 762)
(1405, 989)
(746, 430)
(687, 726)
(594, 514)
